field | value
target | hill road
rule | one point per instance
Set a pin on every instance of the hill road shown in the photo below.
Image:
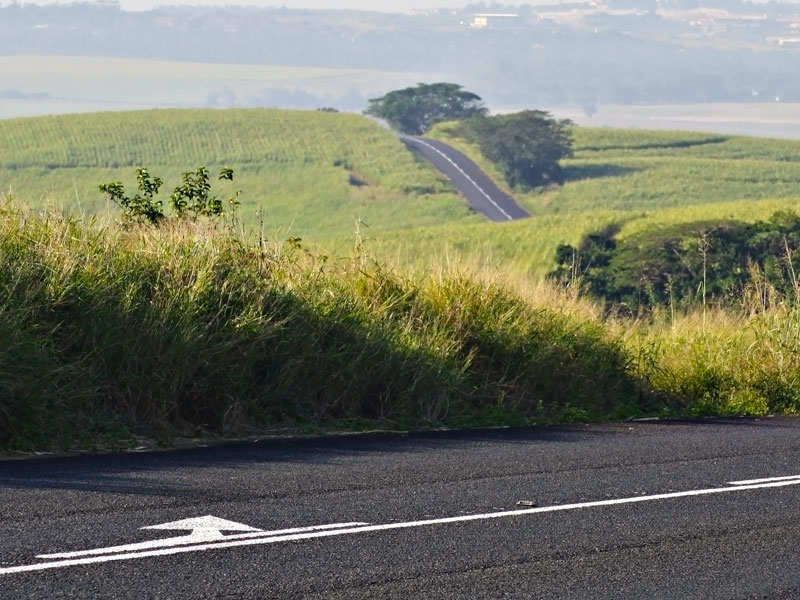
(698, 509)
(477, 187)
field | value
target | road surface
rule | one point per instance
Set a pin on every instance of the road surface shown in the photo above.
(480, 191)
(704, 509)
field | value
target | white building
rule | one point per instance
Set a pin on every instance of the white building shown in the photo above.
(494, 20)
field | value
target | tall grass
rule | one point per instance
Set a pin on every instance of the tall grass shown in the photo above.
(109, 332)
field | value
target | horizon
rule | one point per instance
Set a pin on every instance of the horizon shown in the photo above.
(364, 5)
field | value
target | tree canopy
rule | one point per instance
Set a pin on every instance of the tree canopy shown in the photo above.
(527, 145)
(688, 264)
(414, 110)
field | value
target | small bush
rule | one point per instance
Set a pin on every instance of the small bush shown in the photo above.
(193, 197)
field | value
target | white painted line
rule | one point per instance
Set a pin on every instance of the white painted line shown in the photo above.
(460, 170)
(346, 529)
(765, 480)
(192, 540)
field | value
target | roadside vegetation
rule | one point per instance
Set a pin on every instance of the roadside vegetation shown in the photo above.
(109, 334)
(112, 331)
(183, 328)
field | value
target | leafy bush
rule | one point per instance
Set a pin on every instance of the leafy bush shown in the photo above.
(191, 197)
(686, 265)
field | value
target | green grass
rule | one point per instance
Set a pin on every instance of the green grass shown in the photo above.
(109, 332)
(304, 173)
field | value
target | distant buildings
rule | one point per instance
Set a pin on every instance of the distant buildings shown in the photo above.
(494, 20)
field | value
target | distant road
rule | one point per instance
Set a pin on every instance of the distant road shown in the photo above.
(697, 509)
(479, 190)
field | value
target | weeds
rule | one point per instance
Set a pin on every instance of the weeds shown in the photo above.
(186, 328)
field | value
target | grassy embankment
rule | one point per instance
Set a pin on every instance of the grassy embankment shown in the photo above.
(106, 333)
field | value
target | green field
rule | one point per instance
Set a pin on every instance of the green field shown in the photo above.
(308, 174)
(111, 333)
(635, 178)
(318, 175)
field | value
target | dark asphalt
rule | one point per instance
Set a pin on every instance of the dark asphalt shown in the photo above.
(480, 191)
(743, 544)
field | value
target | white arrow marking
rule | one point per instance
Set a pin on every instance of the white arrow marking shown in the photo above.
(199, 535)
(354, 528)
(204, 524)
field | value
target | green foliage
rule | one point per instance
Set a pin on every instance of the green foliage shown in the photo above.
(527, 145)
(414, 110)
(144, 205)
(686, 265)
(181, 329)
(192, 197)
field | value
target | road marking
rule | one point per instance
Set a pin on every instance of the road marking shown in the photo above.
(766, 480)
(256, 537)
(204, 529)
(460, 170)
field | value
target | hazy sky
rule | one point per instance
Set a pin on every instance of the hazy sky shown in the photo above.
(394, 6)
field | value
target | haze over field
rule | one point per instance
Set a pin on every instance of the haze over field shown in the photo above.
(727, 67)
(401, 6)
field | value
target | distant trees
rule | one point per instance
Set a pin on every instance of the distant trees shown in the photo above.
(527, 145)
(414, 110)
(689, 264)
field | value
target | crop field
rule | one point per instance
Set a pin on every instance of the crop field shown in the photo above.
(321, 176)
(302, 173)
(637, 179)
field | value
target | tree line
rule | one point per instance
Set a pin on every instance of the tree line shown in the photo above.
(527, 145)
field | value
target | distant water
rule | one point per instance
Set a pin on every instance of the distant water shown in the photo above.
(776, 119)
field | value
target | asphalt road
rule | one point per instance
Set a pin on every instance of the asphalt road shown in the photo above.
(480, 191)
(630, 510)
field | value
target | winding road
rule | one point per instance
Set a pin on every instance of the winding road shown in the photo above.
(481, 192)
(694, 509)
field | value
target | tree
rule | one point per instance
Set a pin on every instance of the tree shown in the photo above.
(414, 110)
(688, 264)
(527, 145)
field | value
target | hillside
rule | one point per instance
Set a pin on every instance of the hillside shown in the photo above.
(109, 333)
(315, 175)
(634, 178)
(305, 173)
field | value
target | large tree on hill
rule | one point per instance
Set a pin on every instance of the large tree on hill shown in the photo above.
(528, 145)
(414, 110)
